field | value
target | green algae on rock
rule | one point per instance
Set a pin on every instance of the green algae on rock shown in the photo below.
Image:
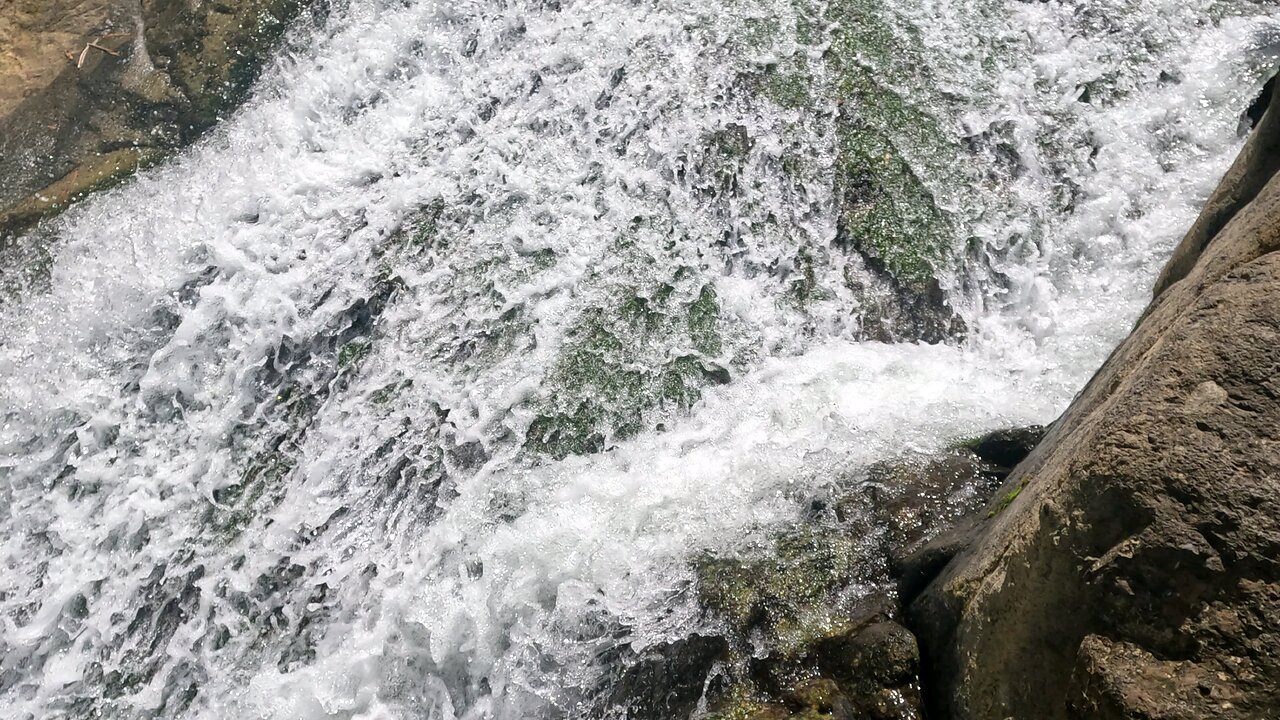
(862, 72)
(887, 211)
(600, 387)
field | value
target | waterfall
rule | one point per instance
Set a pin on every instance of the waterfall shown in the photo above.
(410, 390)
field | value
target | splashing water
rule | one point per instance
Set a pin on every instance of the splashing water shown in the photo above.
(409, 392)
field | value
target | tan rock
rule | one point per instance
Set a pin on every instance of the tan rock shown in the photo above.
(85, 84)
(36, 37)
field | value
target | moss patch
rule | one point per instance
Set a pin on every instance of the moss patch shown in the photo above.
(652, 350)
(1007, 499)
(704, 322)
(353, 352)
(789, 85)
(423, 230)
(887, 212)
(786, 595)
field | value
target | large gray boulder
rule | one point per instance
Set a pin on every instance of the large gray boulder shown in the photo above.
(1131, 565)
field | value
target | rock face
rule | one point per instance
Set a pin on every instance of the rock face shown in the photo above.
(92, 89)
(1131, 568)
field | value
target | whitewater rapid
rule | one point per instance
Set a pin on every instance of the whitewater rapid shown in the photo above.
(262, 457)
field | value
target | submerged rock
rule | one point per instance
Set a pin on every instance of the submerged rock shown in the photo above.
(1134, 570)
(666, 681)
(867, 85)
(894, 311)
(916, 498)
(97, 172)
(90, 91)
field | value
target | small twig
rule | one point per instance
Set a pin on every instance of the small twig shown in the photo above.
(84, 54)
(108, 51)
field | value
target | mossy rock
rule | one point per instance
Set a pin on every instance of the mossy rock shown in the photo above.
(237, 505)
(813, 619)
(786, 596)
(891, 135)
(1007, 499)
(723, 154)
(617, 366)
(886, 213)
(897, 156)
(660, 682)
(748, 709)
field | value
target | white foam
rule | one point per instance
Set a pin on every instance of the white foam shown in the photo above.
(499, 581)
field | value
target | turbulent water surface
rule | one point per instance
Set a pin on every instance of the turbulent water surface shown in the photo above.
(410, 391)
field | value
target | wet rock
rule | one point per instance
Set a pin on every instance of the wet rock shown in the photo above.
(1133, 571)
(932, 507)
(91, 90)
(97, 172)
(889, 219)
(668, 681)
(894, 311)
(1259, 106)
(806, 637)
(877, 668)
(1007, 447)
(748, 709)
(916, 498)
(868, 671)
(603, 388)
(915, 566)
(884, 653)
(784, 611)
(1251, 173)
(813, 623)
(789, 598)
(819, 697)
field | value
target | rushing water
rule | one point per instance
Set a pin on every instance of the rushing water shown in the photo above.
(409, 392)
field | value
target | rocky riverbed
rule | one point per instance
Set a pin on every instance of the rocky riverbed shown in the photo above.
(496, 360)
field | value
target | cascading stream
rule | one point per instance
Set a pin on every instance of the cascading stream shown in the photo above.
(411, 390)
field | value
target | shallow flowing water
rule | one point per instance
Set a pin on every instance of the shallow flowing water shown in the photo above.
(409, 392)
